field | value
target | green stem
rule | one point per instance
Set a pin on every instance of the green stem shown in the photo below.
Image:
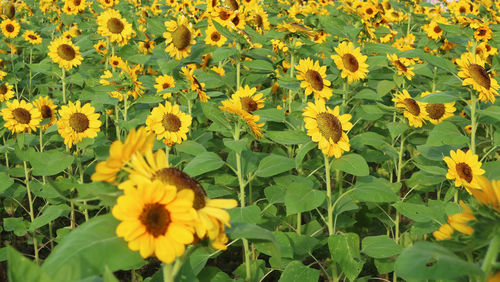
(31, 61)
(63, 80)
(491, 255)
(117, 126)
(398, 179)
(41, 150)
(168, 274)
(13, 68)
(299, 222)
(80, 170)
(473, 122)
(329, 195)
(344, 97)
(238, 68)
(31, 212)
(434, 80)
(292, 69)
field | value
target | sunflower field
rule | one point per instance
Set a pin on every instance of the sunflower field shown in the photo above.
(249, 140)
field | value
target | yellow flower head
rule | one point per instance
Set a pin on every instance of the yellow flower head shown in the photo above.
(413, 110)
(32, 37)
(402, 66)
(350, 61)
(112, 25)
(20, 116)
(164, 82)
(6, 92)
(464, 167)
(444, 232)
(437, 112)
(10, 28)
(459, 221)
(473, 72)
(78, 122)
(47, 110)
(169, 123)
(179, 37)
(488, 193)
(213, 37)
(313, 79)
(63, 52)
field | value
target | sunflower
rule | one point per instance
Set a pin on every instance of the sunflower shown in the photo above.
(464, 167)
(100, 47)
(114, 26)
(156, 219)
(232, 106)
(444, 232)
(32, 37)
(63, 52)
(367, 11)
(146, 46)
(247, 100)
(489, 192)
(326, 126)
(21, 116)
(10, 28)
(313, 79)
(403, 66)
(6, 92)
(459, 221)
(485, 50)
(179, 37)
(433, 30)
(73, 7)
(164, 82)
(350, 61)
(259, 18)
(437, 112)
(237, 20)
(483, 32)
(214, 37)
(77, 122)
(47, 110)
(221, 16)
(413, 110)
(195, 84)
(473, 72)
(117, 62)
(211, 214)
(169, 123)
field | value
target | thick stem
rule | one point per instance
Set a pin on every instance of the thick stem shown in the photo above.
(80, 170)
(291, 70)
(299, 223)
(168, 273)
(31, 212)
(398, 179)
(63, 80)
(491, 256)
(31, 61)
(473, 102)
(13, 68)
(329, 195)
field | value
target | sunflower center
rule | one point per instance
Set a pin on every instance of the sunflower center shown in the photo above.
(10, 11)
(400, 66)
(3, 89)
(77, 2)
(258, 20)
(315, 79)
(480, 76)
(464, 171)
(329, 126)
(66, 52)
(215, 36)
(350, 62)
(79, 122)
(155, 218)
(236, 20)
(46, 111)
(223, 15)
(115, 25)
(437, 29)
(165, 85)
(462, 10)
(180, 180)
(21, 115)
(482, 32)
(435, 110)
(369, 11)
(10, 28)
(248, 104)
(32, 37)
(181, 37)
(233, 4)
(412, 106)
(171, 122)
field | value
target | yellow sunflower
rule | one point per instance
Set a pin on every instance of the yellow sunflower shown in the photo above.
(433, 30)
(483, 32)
(313, 79)
(78, 122)
(488, 193)
(63, 52)
(164, 82)
(326, 127)
(156, 219)
(473, 72)
(100, 47)
(10, 28)
(32, 37)
(259, 18)
(237, 20)
(195, 84)
(221, 15)
(146, 46)
(247, 100)
(350, 61)
(211, 214)
(444, 232)
(464, 167)
(403, 66)
(235, 107)
(413, 110)
(169, 123)
(6, 92)
(117, 62)
(213, 37)
(20, 116)
(47, 110)
(437, 112)
(179, 37)
(114, 26)
(459, 221)
(73, 7)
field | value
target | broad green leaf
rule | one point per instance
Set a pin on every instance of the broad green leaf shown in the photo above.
(446, 133)
(302, 152)
(296, 271)
(377, 190)
(273, 165)
(491, 111)
(302, 244)
(267, 247)
(5, 182)
(16, 224)
(344, 249)
(249, 214)
(211, 273)
(384, 87)
(236, 145)
(290, 83)
(351, 163)
(190, 147)
(396, 128)
(253, 232)
(88, 249)
(223, 53)
(440, 62)
(425, 260)
(300, 198)
(21, 269)
(215, 115)
(270, 115)
(492, 169)
(380, 246)
(49, 162)
(259, 65)
(288, 137)
(439, 97)
(203, 163)
(49, 214)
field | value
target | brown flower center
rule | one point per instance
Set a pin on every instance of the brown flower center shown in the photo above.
(464, 171)
(482, 32)
(21, 115)
(236, 20)
(46, 111)
(258, 20)
(10, 28)
(223, 15)
(480, 76)
(435, 110)
(350, 62)
(437, 29)
(79, 122)
(181, 37)
(115, 25)
(315, 79)
(32, 37)
(10, 10)
(181, 181)
(3, 89)
(462, 10)
(171, 122)
(77, 2)
(369, 11)
(329, 126)
(232, 4)
(66, 52)
(248, 104)
(155, 218)
(215, 36)
(400, 66)
(165, 85)
(412, 106)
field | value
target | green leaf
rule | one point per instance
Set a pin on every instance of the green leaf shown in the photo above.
(5, 182)
(203, 163)
(416, 212)
(384, 87)
(215, 115)
(223, 53)
(16, 224)
(425, 260)
(270, 115)
(290, 83)
(446, 133)
(492, 169)
(380, 246)
(491, 111)
(49, 214)
(236, 145)
(396, 128)
(253, 232)
(302, 152)
(440, 62)
(377, 190)
(300, 198)
(49, 162)
(344, 249)
(259, 65)
(249, 214)
(296, 271)
(87, 250)
(190, 147)
(439, 97)
(351, 163)
(21, 269)
(288, 137)
(273, 165)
